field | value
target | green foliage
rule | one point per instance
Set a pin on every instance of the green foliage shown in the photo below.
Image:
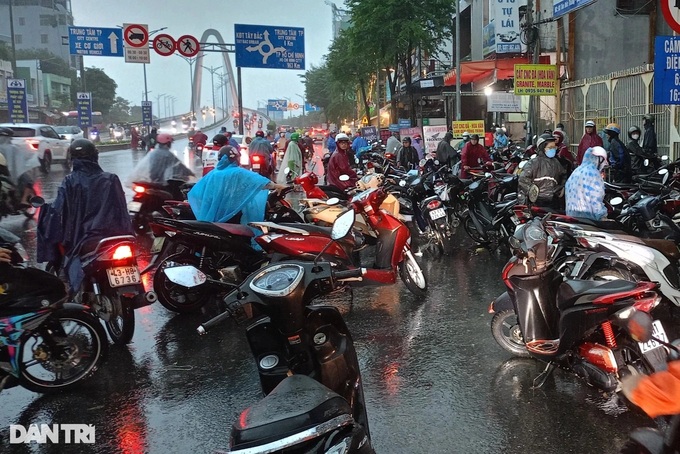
(331, 94)
(5, 52)
(103, 89)
(49, 63)
(120, 111)
(271, 126)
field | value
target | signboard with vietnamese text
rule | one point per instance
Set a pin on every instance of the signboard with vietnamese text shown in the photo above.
(84, 108)
(503, 102)
(562, 7)
(147, 113)
(433, 135)
(409, 132)
(17, 105)
(536, 80)
(269, 46)
(666, 70)
(370, 133)
(470, 126)
(506, 18)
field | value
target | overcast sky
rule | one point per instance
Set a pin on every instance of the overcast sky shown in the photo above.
(171, 74)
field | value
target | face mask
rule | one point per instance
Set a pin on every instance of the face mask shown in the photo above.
(635, 136)
(550, 152)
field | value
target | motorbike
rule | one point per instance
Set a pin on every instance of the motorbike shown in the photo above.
(149, 198)
(307, 364)
(94, 136)
(47, 344)
(488, 223)
(570, 324)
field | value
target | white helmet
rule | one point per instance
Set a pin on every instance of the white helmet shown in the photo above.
(342, 136)
(466, 135)
(601, 154)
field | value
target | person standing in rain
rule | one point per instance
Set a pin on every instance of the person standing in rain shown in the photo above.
(291, 160)
(590, 139)
(649, 138)
(584, 190)
(392, 143)
(445, 152)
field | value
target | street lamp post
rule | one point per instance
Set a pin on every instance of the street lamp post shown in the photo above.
(303, 107)
(191, 61)
(212, 72)
(290, 112)
(158, 103)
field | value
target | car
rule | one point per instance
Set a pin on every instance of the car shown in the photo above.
(43, 140)
(71, 133)
(508, 37)
(318, 135)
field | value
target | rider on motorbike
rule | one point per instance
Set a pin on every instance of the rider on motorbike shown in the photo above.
(90, 206)
(638, 154)
(260, 146)
(229, 190)
(160, 165)
(339, 165)
(200, 137)
(585, 186)
(545, 172)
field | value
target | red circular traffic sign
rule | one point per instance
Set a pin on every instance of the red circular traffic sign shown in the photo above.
(188, 45)
(136, 36)
(164, 45)
(671, 13)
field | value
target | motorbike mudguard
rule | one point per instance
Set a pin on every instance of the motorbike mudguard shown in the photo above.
(502, 303)
(651, 440)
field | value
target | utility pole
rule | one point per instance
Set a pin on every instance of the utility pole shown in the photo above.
(458, 60)
(212, 72)
(535, 54)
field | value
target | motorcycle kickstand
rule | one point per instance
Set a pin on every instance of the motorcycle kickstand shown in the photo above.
(543, 376)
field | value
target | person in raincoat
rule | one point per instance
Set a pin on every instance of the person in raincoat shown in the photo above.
(90, 206)
(585, 186)
(291, 160)
(230, 190)
(546, 172)
(160, 165)
(19, 167)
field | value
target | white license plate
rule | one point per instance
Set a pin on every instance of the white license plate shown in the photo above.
(438, 213)
(514, 219)
(157, 245)
(134, 207)
(123, 275)
(256, 166)
(657, 332)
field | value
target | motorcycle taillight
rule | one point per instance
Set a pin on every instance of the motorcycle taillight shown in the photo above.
(256, 158)
(122, 252)
(139, 189)
(647, 301)
(433, 205)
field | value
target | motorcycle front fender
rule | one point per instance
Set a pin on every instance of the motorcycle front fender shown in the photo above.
(501, 303)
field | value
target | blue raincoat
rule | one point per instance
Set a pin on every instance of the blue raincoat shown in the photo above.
(585, 190)
(228, 190)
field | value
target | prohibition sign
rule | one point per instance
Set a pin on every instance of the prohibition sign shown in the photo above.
(164, 45)
(671, 12)
(136, 35)
(188, 45)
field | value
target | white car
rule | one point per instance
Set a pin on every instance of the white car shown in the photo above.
(71, 133)
(44, 141)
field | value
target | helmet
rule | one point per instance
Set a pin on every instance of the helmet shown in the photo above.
(164, 138)
(558, 135)
(220, 140)
(466, 135)
(259, 133)
(543, 140)
(223, 129)
(232, 153)
(474, 137)
(6, 132)
(590, 123)
(342, 137)
(295, 136)
(601, 154)
(632, 130)
(613, 128)
(83, 149)
(648, 118)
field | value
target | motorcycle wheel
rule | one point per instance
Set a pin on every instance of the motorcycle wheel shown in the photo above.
(505, 329)
(472, 231)
(412, 276)
(81, 346)
(175, 297)
(610, 274)
(445, 243)
(122, 327)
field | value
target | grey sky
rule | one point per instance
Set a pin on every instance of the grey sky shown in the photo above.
(171, 74)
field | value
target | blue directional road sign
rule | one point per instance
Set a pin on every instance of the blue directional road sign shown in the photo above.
(269, 46)
(667, 70)
(311, 107)
(275, 105)
(16, 100)
(84, 107)
(147, 116)
(101, 42)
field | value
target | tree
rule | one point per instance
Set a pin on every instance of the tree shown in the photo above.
(120, 111)
(397, 29)
(271, 126)
(102, 87)
(5, 52)
(333, 96)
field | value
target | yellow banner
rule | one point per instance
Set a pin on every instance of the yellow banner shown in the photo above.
(539, 80)
(471, 126)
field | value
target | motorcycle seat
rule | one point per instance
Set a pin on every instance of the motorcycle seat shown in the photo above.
(212, 227)
(298, 403)
(571, 292)
(502, 206)
(605, 224)
(667, 247)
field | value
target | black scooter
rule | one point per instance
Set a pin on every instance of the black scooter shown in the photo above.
(306, 359)
(149, 198)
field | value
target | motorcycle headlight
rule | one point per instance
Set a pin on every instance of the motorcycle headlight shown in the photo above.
(277, 280)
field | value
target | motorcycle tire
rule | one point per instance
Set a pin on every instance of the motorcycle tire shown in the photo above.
(122, 329)
(71, 343)
(412, 275)
(444, 242)
(507, 333)
(177, 298)
(472, 231)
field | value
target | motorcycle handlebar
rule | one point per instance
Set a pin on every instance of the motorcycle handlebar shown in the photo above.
(358, 272)
(203, 329)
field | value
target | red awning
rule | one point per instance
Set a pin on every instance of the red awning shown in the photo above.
(472, 71)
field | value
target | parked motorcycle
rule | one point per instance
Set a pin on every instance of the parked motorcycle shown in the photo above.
(308, 367)
(46, 343)
(149, 198)
(488, 223)
(570, 323)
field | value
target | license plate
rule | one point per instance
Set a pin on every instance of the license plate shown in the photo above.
(256, 166)
(657, 332)
(157, 245)
(134, 207)
(514, 219)
(438, 213)
(123, 275)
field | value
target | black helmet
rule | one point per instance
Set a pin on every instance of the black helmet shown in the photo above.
(474, 136)
(543, 140)
(632, 130)
(6, 132)
(648, 118)
(220, 140)
(83, 149)
(232, 153)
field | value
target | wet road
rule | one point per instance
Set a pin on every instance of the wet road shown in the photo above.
(434, 378)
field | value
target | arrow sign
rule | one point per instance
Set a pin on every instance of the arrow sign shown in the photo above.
(113, 43)
(100, 42)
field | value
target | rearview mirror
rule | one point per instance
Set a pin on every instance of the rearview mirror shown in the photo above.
(663, 171)
(616, 201)
(185, 275)
(342, 225)
(636, 323)
(286, 171)
(332, 201)
(664, 157)
(436, 162)
(402, 183)
(522, 164)
(343, 178)
(646, 162)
